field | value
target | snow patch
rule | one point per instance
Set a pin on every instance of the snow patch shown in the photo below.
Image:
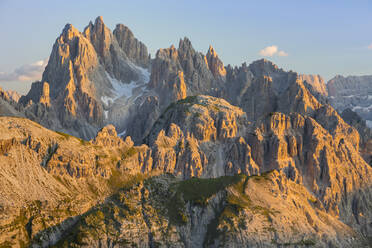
(364, 109)
(121, 89)
(122, 133)
(144, 73)
(369, 123)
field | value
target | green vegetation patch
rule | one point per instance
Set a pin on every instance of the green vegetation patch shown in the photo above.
(119, 181)
(187, 100)
(129, 153)
(68, 136)
(196, 191)
(199, 190)
(65, 135)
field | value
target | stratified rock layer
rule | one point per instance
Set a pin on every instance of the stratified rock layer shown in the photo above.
(194, 154)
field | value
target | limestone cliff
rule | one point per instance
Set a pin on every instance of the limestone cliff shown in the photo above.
(178, 151)
(133, 48)
(318, 172)
(86, 73)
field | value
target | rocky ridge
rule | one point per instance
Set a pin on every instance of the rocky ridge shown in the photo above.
(203, 137)
(206, 155)
(86, 74)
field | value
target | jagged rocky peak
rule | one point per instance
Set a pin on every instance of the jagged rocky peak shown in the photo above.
(316, 81)
(133, 48)
(280, 78)
(4, 94)
(203, 117)
(197, 75)
(187, 56)
(83, 71)
(100, 36)
(39, 93)
(8, 105)
(167, 54)
(68, 32)
(14, 95)
(264, 67)
(170, 53)
(185, 48)
(114, 59)
(72, 54)
(108, 137)
(214, 63)
(349, 86)
(292, 138)
(121, 42)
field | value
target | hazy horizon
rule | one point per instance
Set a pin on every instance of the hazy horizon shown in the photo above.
(309, 38)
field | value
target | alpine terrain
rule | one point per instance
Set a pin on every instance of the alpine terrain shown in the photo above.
(115, 148)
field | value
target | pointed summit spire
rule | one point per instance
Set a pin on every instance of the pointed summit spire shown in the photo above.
(69, 31)
(99, 20)
(133, 48)
(214, 63)
(211, 51)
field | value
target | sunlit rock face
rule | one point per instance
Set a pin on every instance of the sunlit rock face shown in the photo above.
(179, 151)
(214, 63)
(87, 74)
(290, 166)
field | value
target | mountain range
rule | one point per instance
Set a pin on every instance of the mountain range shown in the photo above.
(113, 148)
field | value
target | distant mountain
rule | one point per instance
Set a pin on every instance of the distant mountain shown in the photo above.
(9, 105)
(205, 155)
(13, 95)
(354, 92)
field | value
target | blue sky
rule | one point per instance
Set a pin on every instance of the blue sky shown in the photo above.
(318, 37)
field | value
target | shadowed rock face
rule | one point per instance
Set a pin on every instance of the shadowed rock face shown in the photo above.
(206, 155)
(39, 92)
(315, 84)
(133, 48)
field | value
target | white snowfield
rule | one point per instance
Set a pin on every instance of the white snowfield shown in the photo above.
(124, 94)
(367, 109)
(369, 123)
(122, 133)
(120, 89)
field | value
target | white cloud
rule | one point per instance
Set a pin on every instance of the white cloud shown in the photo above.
(282, 54)
(370, 46)
(271, 51)
(25, 73)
